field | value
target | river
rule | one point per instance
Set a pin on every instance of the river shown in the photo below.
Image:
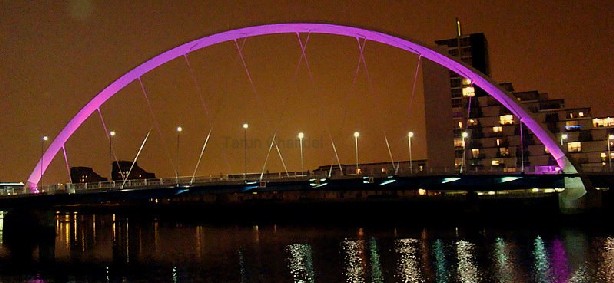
(107, 247)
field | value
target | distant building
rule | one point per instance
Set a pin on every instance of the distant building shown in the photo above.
(11, 188)
(486, 136)
(375, 168)
(85, 175)
(122, 170)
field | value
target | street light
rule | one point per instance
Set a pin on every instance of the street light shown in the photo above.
(45, 138)
(409, 136)
(356, 135)
(564, 138)
(300, 139)
(245, 126)
(111, 135)
(464, 135)
(179, 130)
(610, 138)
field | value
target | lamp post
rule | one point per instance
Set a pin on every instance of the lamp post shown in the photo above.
(45, 138)
(111, 135)
(245, 126)
(610, 138)
(179, 130)
(464, 136)
(300, 140)
(356, 135)
(409, 136)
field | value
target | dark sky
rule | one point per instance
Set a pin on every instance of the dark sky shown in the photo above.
(57, 55)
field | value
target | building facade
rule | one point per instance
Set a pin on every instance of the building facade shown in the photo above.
(487, 137)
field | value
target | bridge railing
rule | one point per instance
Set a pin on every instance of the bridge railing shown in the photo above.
(71, 188)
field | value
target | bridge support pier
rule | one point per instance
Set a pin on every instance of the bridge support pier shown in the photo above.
(576, 199)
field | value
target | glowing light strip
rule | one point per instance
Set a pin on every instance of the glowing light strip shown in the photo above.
(448, 180)
(453, 64)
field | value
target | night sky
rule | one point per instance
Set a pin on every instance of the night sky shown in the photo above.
(57, 55)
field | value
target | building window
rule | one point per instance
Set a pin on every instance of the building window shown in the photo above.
(472, 122)
(546, 150)
(574, 147)
(605, 155)
(603, 122)
(506, 120)
(504, 151)
(458, 142)
(475, 152)
(458, 162)
(496, 162)
(460, 124)
(580, 114)
(572, 126)
(468, 91)
(497, 129)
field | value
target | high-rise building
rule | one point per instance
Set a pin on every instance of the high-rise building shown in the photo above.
(487, 137)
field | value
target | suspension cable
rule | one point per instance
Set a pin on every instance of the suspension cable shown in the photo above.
(67, 166)
(156, 124)
(135, 159)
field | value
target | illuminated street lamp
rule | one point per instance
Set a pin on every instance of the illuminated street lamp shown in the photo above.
(111, 135)
(564, 137)
(356, 135)
(300, 140)
(245, 126)
(179, 130)
(464, 136)
(45, 138)
(610, 138)
(409, 136)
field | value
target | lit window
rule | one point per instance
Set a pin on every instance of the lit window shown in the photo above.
(475, 152)
(495, 162)
(499, 142)
(497, 129)
(468, 91)
(466, 82)
(603, 156)
(580, 114)
(572, 125)
(506, 120)
(458, 142)
(504, 151)
(458, 162)
(574, 147)
(603, 122)
(546, 150)
(460, 124)
(472, 122)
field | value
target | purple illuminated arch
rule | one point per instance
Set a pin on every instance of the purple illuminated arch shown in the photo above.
(488, 85)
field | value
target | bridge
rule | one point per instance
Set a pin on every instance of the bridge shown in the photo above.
(570, 184)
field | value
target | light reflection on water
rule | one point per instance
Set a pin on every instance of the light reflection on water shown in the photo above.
(300, 262)
(354, 260)
(467, 269)
(408, 266)
(128, 249)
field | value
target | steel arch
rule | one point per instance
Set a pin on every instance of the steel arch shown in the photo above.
(453, 64)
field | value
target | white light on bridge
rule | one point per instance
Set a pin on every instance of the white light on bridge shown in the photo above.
(387, 182)
(509, 179)
(448, 180)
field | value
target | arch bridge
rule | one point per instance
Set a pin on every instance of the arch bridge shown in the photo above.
(575, 187)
